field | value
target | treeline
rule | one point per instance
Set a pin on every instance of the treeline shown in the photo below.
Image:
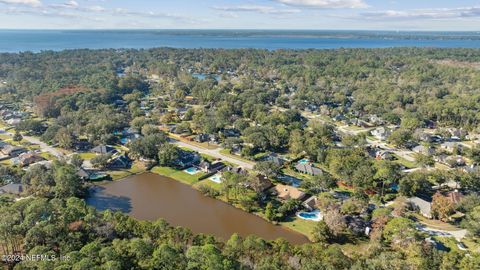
(392, 83)
(87, 239)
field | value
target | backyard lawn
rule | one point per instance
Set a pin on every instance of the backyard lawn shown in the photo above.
(137, 168)
(300, 225)
(177, 174)
(87, 156)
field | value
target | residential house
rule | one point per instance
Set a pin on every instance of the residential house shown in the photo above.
(84, 174)
(208, 167)
(211, 138)
(237, 170)
(423, 206)
(311, 203)
(82, 145)
(381, 133)
(308, 168)
(384, 155)
(422, 136)
(451, 161)
(276, 159)
(13, 151)
(455, 196)
(15, 189)
(457, 133)
(120, 162)
(450, 146)
(375, 120)
(263, 183)
(231, 132)
(201, 138)
(357, 225)
(471, 168)
(27, 159)
(13, 121)
(285, 192)
(424, 150)
(187, 159)
(104, 149)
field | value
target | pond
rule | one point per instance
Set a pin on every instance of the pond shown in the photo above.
(150, 196)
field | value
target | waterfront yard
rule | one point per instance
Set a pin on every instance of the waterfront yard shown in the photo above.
(179, 175)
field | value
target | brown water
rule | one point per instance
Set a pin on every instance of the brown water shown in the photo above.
(150, 196)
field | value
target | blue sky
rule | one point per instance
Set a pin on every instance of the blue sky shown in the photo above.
(454, 15)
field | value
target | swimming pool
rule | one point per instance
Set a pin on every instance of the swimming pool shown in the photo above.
(313, 216)
(290, 180)
(216, 178)
(304, 161)
(191, 170)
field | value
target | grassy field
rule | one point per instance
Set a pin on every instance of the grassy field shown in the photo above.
(177, 174)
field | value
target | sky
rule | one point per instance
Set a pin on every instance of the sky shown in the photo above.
(413, 15)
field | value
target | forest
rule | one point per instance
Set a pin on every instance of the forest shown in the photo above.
(89, 95)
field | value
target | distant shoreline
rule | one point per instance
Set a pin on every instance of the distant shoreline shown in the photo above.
(14, 41)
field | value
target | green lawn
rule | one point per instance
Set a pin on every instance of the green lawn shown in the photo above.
(137, 168)
(177, 174)
(47, 156)
(291, 172)
(87, 156)
(300, 225)
(209, 183)
(408, 164)
(226, 152)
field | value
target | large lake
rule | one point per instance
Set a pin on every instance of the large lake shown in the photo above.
(150, 196)
(38, 40)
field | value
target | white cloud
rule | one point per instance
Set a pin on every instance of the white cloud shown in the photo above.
(257, 9)
(325, 4)
(439, 13)
(33, 3)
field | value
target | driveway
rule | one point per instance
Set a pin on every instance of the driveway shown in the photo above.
(458, 235)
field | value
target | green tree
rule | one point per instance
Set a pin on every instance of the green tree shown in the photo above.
(101, 161)
(472, 222)
(17, 136)
(167, 154)
(67, 182)
(321, 233)
(76, 160)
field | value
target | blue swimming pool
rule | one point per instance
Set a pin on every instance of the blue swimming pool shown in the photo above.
(191, 170)
(216, 178)
(304, 161)
(290, 180)
(313, 216)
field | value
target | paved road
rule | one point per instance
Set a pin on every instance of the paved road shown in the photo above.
(216, 153)
(43, 146)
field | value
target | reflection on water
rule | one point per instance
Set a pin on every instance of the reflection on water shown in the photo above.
(103, 201)
(150, 196)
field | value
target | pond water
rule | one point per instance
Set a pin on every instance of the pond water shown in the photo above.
(149, 197)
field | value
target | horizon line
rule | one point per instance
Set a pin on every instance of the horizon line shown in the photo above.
(231, 29)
